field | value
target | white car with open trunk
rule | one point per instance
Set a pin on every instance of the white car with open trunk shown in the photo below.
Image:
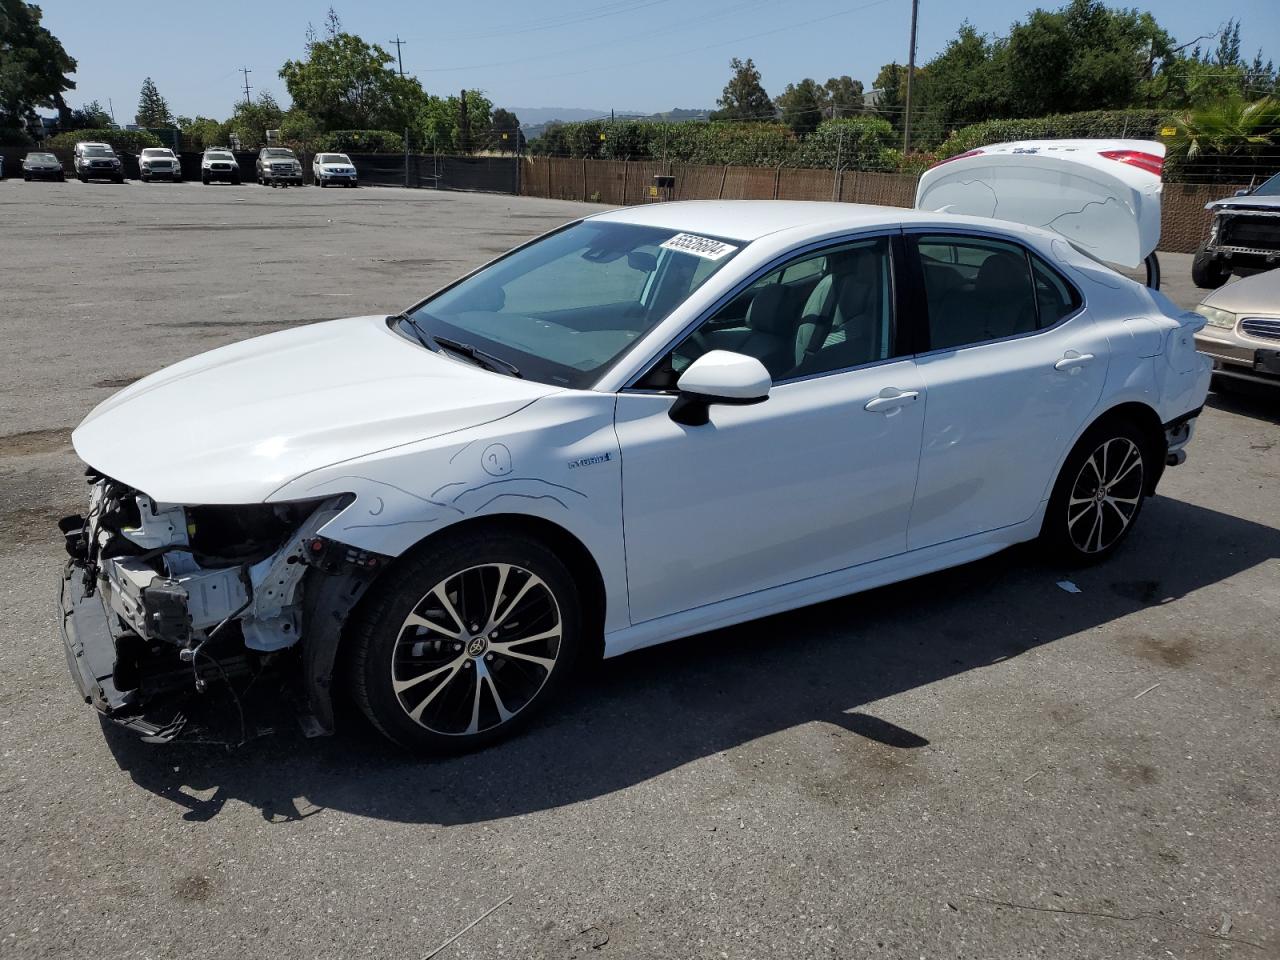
(648, 423)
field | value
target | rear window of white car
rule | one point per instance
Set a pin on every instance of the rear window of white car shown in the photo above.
(564, 308)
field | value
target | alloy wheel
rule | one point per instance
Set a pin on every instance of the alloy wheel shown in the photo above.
(1106, 495)
(476, 649)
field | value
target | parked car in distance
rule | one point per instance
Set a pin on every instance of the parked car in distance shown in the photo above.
(779, 402)
(160, 162)
(219, 163)
(1244, 237)
(330, 168)
(42, 166)
(279, 167)
(1242, 332)
(97, 161)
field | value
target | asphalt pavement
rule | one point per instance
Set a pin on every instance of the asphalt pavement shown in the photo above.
(1002, 760)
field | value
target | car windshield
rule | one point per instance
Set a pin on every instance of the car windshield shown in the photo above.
(97, 152)
(219, 155)
(283, 154)
(565, 307)
(42, 157)
(334, 158)
(154, 152)
(1270, 188)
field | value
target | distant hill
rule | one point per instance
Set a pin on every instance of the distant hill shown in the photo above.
(534, 120)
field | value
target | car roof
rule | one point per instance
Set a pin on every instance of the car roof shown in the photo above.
(749, 220)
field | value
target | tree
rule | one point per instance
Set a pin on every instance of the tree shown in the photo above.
(889, 91)
(744, 98)
(33, 66)
(348, 84)
(251, 121)
(1082, 57)
(1226, 138)
(506, 122)
(202, 132)
(844, 97)
(802, 106)
(153, 109)
(92, 116)
(966, 83)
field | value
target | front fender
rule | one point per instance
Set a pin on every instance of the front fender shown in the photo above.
(557, 460)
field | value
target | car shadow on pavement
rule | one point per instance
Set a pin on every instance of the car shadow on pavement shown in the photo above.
(1258, 401)
(641, 715)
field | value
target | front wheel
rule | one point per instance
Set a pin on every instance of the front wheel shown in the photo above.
(1206, 272)
(460, 645)
(1099, 493)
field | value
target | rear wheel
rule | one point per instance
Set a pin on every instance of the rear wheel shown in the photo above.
(1099, 493)
(1206, 272)
(460, 646)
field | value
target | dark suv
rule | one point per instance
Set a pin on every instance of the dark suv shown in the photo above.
(1244, 238)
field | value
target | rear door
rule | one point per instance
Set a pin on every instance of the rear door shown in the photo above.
(1013, 367)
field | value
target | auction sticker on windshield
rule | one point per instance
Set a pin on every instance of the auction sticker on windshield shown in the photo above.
(703, 247)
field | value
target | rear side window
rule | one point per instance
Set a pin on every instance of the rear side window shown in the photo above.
(979, 289)
(1054, 296)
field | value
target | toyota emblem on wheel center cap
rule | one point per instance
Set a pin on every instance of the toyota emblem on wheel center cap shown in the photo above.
(477, 646)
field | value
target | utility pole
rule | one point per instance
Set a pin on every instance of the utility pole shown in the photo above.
(911, 74)
(399, 43)
(246, 71)
(464, 133)
(111, 108)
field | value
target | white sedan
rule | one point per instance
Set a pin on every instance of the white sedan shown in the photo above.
(649, 423)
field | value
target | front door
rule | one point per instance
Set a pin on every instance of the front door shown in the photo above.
(817, 478)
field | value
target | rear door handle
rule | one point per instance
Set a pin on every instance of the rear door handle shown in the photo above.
(1073, 361)
(891, 399)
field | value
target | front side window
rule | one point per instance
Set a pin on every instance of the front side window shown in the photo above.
(976, 290)
(824, 311)
(566, 307)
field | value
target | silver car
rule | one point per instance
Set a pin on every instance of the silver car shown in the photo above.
(1242, 332)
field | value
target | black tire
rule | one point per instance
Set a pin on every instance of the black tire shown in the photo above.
(1206, 272)
(461, 712)
(1085, 522)
(26, 177)
(1152, 264)
(204, 179)
(62, 178)
(235, 181)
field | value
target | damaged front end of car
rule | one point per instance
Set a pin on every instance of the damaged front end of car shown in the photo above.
(161, 602)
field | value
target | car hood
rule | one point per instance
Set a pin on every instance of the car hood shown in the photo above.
(235, 424)
(1256, 296)
(1271, 204)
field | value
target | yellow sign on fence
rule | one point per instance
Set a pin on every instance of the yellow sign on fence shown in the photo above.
(1168, 131)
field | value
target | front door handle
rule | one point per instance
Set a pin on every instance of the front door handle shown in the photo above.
(891, 399)
(1073, 361)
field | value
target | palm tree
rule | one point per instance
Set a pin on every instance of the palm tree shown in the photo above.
(1229, 139)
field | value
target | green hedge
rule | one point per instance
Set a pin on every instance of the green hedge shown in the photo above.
(124, 141)
(360, 141)
(1135, 124)
(859, 142)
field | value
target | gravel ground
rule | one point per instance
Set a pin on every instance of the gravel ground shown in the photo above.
(973, 764)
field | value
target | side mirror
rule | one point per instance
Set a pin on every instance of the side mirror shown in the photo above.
(718, 376)
(1241, 193)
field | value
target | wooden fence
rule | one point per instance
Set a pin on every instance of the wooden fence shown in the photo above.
(1185, 222)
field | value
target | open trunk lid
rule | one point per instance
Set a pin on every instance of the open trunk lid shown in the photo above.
(1102, 195)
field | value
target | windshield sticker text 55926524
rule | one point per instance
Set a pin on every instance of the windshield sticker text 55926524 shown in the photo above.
(703, 247)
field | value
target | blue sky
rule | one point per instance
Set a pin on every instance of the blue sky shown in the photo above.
(644, 55)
